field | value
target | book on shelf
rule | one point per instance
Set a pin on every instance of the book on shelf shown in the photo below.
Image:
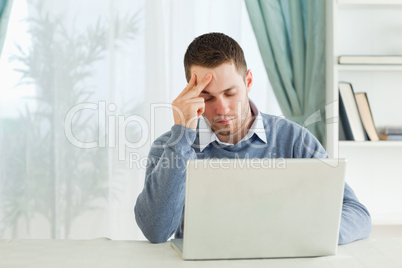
(366, 115)
(395, 137)
(349, 113)
(370, 59)
(392, 131)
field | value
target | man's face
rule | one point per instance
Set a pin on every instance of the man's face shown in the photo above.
(227, 108)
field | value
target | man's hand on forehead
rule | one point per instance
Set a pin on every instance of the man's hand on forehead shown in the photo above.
(188, 106)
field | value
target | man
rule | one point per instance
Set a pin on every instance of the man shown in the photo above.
(214, 118)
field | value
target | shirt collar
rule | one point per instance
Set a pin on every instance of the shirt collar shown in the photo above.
(206, 136)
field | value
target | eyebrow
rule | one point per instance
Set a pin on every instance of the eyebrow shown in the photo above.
(231, 88)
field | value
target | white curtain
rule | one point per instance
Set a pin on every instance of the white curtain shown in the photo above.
(85, 87)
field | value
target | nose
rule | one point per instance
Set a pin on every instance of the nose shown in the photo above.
(222, 106)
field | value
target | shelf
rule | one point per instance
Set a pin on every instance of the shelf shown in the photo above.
(346, 67)
(370, 2)
(374, 169)
(371, 144)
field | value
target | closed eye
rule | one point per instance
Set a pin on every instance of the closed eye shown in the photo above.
(228, 93)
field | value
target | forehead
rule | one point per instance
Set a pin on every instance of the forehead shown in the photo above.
(223, 76)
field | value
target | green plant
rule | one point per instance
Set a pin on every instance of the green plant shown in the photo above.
(45, 174)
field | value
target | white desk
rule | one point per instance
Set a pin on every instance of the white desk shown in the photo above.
(373, 252)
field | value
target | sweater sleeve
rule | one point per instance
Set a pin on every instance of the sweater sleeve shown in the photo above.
(355, 220)
(159, 206)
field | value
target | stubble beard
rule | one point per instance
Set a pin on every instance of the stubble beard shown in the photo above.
(238, 132)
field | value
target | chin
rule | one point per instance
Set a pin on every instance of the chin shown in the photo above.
(222, 131)
(225, 133)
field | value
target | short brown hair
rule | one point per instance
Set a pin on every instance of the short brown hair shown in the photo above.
(211, 50)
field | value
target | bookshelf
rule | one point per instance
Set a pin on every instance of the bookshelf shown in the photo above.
(374, 169)
(379, 144)
(368, 67)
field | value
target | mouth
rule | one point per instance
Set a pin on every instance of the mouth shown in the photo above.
(224, 121)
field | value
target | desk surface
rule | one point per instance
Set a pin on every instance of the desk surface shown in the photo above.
(374, 252)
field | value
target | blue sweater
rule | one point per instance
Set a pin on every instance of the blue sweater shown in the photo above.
(160, 206)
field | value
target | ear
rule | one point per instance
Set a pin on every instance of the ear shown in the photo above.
(249, 80)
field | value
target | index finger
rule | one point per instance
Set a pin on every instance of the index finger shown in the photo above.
(190, 85)
(204, 82)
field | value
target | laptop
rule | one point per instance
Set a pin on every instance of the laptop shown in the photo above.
(261, 208)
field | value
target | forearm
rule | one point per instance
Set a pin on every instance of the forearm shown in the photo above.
(355, 220)
(159, 207)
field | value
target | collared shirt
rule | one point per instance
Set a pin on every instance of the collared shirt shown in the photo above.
(206, 135)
